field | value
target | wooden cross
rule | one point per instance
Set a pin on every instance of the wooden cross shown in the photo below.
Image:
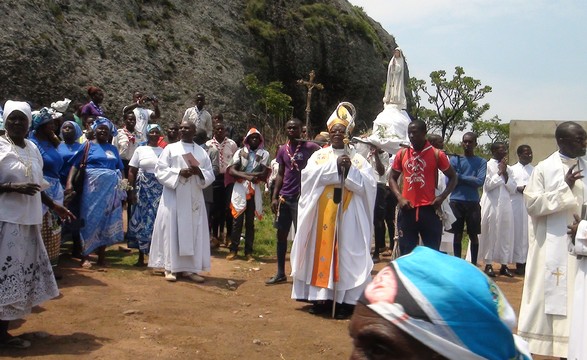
(310, 84)
(558, 274)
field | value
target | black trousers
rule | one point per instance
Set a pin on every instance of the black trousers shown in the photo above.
(419, 222)
(248, 218)
(384, 217)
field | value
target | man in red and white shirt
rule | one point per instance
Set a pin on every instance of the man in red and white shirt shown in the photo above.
(222, 190)
(419, 214)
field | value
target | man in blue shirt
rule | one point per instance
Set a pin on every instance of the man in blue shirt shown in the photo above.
(464, 200)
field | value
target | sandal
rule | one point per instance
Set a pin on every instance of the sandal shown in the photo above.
(15, 343)
(86, 264)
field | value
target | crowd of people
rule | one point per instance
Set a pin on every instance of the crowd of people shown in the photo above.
(190, 187)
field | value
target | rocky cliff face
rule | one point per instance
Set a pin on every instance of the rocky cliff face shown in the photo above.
(56, 48)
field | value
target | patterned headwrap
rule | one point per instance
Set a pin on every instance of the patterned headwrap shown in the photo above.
(100, 120)
(41, 117)
(154, 126)
(344, 114)
(453, 312)
(78, 129)
(11, 106)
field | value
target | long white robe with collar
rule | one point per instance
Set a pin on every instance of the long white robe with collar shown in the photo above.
(547, 298)
(577, 343)
(355, 263)
(181, 240)
(521, 174)
(497, 228)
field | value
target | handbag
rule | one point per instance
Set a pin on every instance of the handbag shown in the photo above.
(77, 179)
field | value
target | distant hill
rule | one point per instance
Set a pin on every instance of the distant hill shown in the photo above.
(173, 49)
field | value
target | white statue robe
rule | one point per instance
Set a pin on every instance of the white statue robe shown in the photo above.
(181, 240)
(547, 297)
(577, 343)
(390, 128)
(521, 174)
(497, 228)
(355, 263)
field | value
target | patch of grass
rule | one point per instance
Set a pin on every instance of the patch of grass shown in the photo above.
(191, 50)
(265, 244)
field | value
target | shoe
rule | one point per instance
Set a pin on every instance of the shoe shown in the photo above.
(276, 279)
(343, 311)
(231, 256)
(194, 277)
(319, 308)
(169, 276)
(376, 259)
(249, 258)
(505, 271)
(15, 343)
(489, 271)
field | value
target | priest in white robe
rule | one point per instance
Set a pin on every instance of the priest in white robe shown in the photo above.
(181, 241)
(578, 248)
(521, 173)
(555, 192)
(497, 229)
(324, 266)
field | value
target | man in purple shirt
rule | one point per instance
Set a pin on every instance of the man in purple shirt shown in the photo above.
(292, 157)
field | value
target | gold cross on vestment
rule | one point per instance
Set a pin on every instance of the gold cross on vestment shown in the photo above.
(310, 84)
(558, 274)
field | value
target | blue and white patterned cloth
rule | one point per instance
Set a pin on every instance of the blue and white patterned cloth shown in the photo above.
(101, 209)
(149, 192)
(447, 304)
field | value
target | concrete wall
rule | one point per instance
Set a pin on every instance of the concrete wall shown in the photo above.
(539, 134)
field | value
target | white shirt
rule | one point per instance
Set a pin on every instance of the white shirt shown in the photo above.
(143, 116)
(201, 118)
(226, 150)
(145, 158)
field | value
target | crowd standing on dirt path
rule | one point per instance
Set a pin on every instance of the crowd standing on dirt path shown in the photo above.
(70, 175)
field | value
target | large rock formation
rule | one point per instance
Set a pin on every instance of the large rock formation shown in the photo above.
(56, 48)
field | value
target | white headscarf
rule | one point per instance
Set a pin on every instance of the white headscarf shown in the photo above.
(21, 106)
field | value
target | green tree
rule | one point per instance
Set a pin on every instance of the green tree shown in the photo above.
(455, 101)
(272, 102)
(494, 129)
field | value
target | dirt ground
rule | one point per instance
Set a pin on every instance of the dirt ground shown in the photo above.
(124, 312)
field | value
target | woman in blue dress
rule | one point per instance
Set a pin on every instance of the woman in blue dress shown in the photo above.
(43, 135)
(146, 194)
(70, 133)
(102, 195)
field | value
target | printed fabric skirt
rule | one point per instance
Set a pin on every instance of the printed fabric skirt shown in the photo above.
(51, 228)
(26, 276)
(101, 209)
(149, 192)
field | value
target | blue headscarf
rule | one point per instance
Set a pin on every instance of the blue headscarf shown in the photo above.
(40, 118)
(100, 120)
(457, 312)
(78, 130)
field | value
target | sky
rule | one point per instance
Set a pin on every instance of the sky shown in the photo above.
(533, 53)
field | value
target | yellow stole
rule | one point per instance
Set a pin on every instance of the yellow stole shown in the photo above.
(326, 250)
